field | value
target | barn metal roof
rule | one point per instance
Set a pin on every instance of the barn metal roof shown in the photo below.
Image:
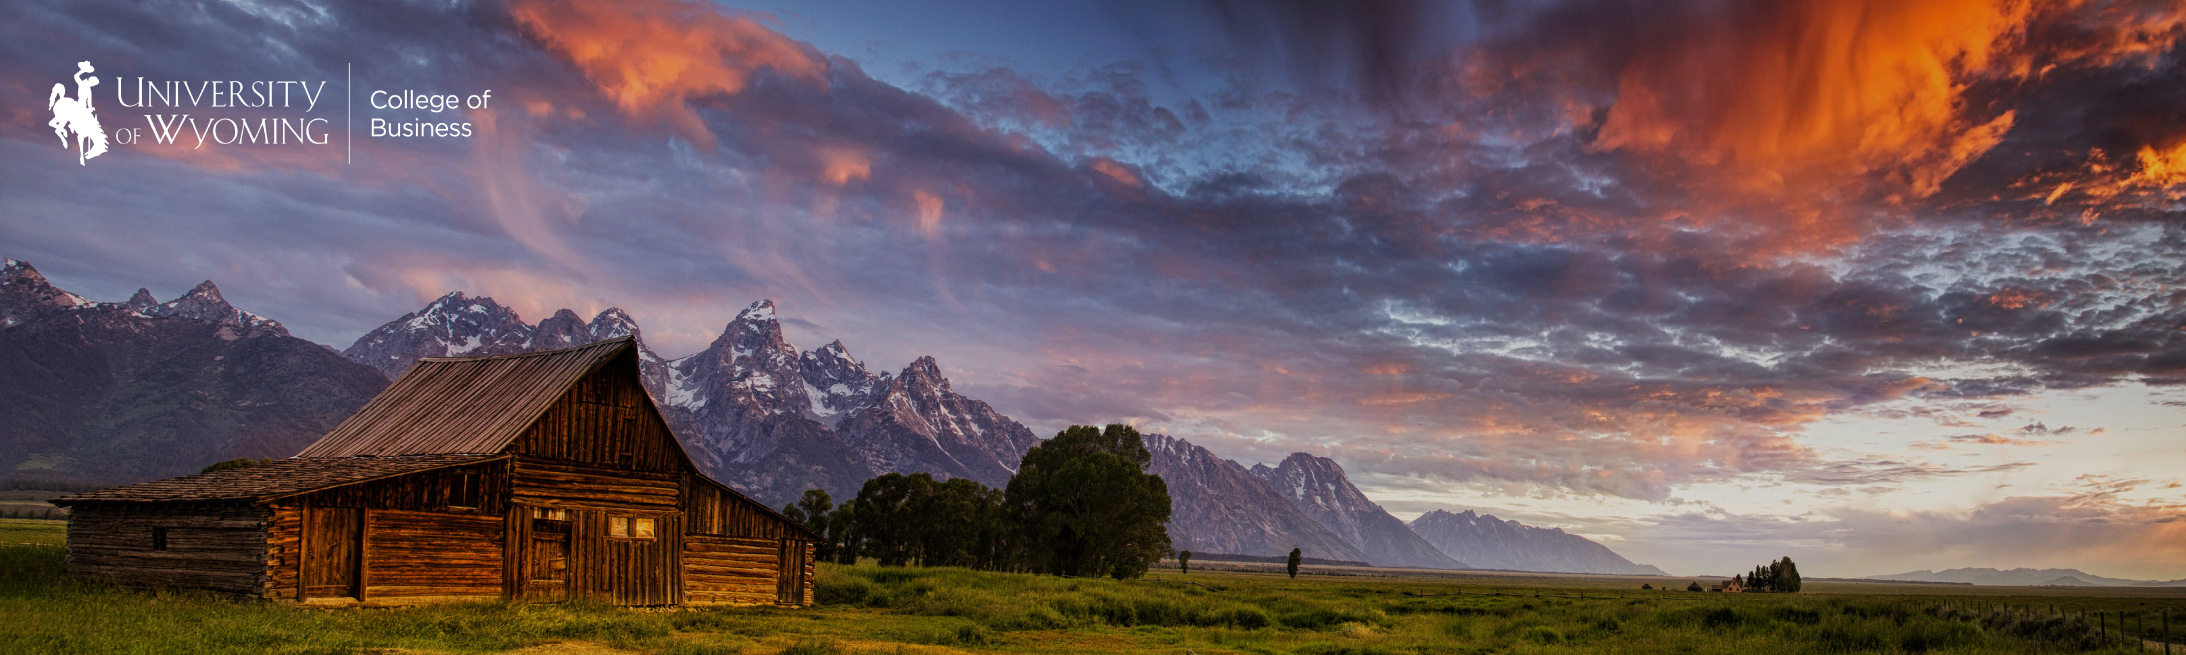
(271, 480)
(474, 405)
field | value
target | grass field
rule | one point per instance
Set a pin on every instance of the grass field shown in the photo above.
(868, 609)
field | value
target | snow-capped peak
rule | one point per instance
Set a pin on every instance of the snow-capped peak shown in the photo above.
(758, 312)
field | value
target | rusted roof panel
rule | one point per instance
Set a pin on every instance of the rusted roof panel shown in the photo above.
(475, 405)
(270, 480)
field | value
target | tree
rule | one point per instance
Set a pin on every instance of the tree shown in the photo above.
(842, 532)
(811, 511)
(1087, 506)
(1184, 562)
(1790, 581)
(1738, 579)
(1292, 565)
(232, 464)
(888, 516)
(1647, 586)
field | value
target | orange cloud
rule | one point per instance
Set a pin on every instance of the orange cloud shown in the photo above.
(1117, 172)
(1818, 90)
(1827, 103)
(929, 212)
(841, 165)
(651, 56)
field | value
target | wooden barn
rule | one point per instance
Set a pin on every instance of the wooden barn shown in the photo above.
(540, 476)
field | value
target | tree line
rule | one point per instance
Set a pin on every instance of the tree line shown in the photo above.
(1780, 575)
(1081, 504)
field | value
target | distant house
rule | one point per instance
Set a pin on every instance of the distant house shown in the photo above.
(539, 476)
(1728, 586)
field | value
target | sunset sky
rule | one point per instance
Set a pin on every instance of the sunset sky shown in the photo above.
(1881, 286)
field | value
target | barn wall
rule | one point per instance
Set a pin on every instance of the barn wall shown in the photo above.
(416, 542)
(714, 510)
(605, 420)
(217, 547)
(730, 570)
(412, 554)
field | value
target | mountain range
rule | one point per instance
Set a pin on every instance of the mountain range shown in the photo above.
(120, 392)
(137, 390)
(1491, 543)
(2024, 578)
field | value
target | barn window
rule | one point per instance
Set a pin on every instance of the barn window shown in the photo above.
(463, 491)
(629, 528)
(159, 539)
(550, 514)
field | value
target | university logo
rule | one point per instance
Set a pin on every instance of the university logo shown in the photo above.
(75, 116)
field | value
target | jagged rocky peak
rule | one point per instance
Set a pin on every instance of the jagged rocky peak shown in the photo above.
(562, 330)
(19, 279)
(452, 325)
(143, 301)
(1318, 487)
(611, 323)
(836, 383)
(204, 303)
(1489, 542)
(925, 373)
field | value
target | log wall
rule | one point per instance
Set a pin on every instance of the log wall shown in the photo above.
(730, 570)
(440, 554)
(215, 546)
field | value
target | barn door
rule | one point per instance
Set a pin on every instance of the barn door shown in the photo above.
(333, 559)
(789, 588)
(547, 562)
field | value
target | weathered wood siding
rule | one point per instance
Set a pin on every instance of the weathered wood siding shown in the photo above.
(439, 554)
(730, 570)
(714, 510)
(219, 547)
(604, 420)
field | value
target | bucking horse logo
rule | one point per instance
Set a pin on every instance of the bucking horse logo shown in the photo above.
(76, 115)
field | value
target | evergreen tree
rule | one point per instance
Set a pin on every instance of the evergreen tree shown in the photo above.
(1790, 582)
(1292, 566)
(1184, 562)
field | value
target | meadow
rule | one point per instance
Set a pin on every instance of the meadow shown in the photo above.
(871, 609)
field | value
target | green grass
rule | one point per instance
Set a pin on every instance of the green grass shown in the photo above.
(32, 531)
(869, 609)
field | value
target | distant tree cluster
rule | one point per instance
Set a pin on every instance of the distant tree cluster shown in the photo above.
(1081, 504)
(236, 463)
(1780, 575)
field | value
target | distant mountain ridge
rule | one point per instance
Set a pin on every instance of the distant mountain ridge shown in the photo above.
(1221, 507)
(1318, 487)
(1492, 543)
(112, 392)
(2023, 577)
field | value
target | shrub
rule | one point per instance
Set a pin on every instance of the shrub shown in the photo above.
(841, 590)
(1542, 634)
(1247, 617)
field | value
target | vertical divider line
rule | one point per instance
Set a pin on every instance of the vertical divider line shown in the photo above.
(349, 105)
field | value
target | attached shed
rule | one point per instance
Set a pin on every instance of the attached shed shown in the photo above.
(540, 476)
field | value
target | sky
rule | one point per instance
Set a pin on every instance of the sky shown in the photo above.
(1878, 286)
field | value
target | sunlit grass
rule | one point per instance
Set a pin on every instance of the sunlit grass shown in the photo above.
(870, 609)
